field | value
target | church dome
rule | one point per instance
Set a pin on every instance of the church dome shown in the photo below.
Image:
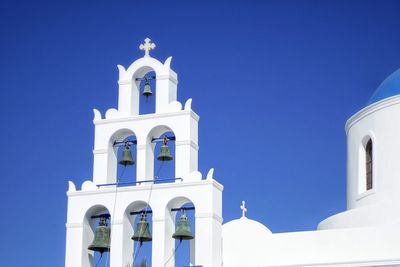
(241, 241)
(389, 87)
(246, 227)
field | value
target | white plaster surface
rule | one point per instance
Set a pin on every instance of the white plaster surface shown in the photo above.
(192, 188)
(366, 234)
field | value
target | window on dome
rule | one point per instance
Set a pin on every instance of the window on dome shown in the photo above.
(368, 164)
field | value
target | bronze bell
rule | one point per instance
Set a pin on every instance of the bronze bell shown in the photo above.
(126, 156)
(101, 241)
(183, 230)
(142, 233)
(146, 89)
(165, 155)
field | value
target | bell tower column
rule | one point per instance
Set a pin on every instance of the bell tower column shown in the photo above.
(141, 162)
(186, 148)
(128, 98)
(74, 250)
(168, 93)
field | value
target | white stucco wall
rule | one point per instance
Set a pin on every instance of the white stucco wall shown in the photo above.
(249, 245)
(379, 205)
(366, 234)
(380, 122)
(205, 194)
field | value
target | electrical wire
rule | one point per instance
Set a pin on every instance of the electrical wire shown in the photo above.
(139, 245)
(101, 255)
(173, 253)
(115, 202)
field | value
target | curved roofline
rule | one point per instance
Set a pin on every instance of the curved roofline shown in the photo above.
(241, 219)
(374, 107)
(389, 87)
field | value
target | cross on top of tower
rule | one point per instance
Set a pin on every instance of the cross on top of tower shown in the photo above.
(243, 208)
(147, 46)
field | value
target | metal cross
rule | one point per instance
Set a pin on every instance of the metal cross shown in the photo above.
(243, 208)
(147, 46)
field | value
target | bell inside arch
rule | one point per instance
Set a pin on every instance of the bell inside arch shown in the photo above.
(101, 241)
(147, 89)
(165, 154)
(127, 156)
(142, 233)
(183, 231)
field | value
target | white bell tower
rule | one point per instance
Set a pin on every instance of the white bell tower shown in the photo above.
(103, 194)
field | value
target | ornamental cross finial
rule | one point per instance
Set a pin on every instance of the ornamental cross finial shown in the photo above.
(147, 46)
(243, 208)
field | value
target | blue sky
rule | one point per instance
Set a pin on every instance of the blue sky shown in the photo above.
(273, 82)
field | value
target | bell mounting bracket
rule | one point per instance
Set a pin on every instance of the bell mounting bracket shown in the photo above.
(146, 78)
(105, 215)
(153, 140)
(150, 211)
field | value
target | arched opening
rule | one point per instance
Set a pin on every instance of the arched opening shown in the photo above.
(145, 83)
(366, 165)
(162, 144)
(137, 247)
(180, 232)
(126, 172)
(95, 217)
(123, 140)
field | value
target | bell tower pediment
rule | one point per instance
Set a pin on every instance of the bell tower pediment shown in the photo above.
(166, 81)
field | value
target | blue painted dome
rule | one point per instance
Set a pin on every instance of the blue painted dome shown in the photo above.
(389, 87)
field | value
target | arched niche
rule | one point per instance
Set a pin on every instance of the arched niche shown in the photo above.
(89, 227)
(129, 93)
(366, 163)
(140, 103)
(131, 249)
(183, 251)
(156, 169)
(115, 152)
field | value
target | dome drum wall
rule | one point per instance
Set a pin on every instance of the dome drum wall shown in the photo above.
(379, 123)
(373, 157)
(379, 204)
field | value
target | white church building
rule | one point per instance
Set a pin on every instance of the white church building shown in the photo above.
(366, 234)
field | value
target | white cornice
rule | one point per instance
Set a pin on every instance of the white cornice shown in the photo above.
(209, 215)
(149, 116)
(154, 187)
(167, 77)
(74, 225)
(187, 142)
(368, 110)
